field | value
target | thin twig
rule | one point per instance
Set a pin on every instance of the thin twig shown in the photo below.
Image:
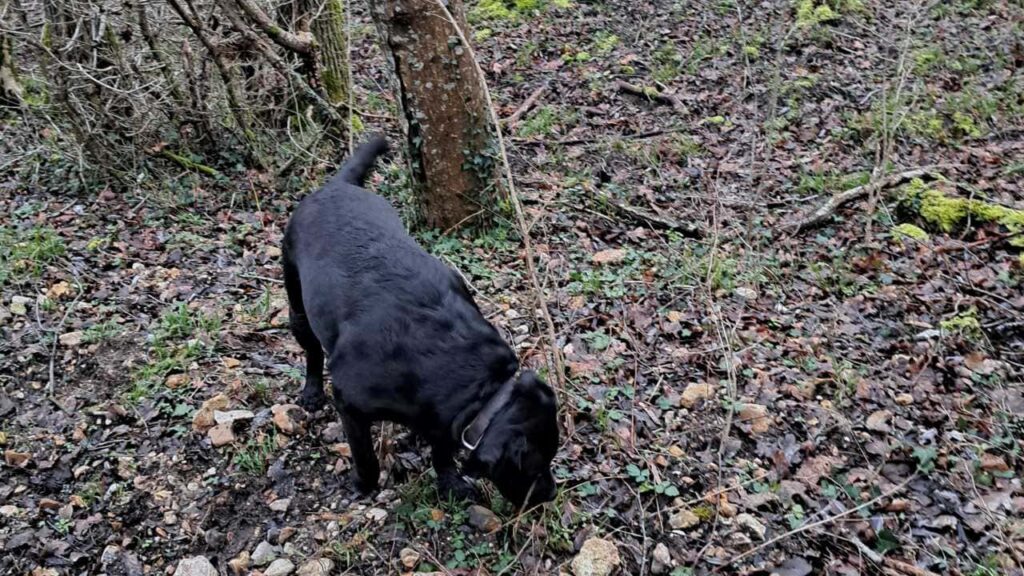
(528, 104)
(821, 522)
(838, 200)
(651, 94)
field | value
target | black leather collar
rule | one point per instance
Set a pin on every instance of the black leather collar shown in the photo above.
(473, 433)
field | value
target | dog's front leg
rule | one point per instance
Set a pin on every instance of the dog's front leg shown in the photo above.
(450, 484)
(359, 431)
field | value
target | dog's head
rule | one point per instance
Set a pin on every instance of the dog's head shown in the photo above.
(516, 450)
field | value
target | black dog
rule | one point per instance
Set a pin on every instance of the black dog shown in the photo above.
(406, 343)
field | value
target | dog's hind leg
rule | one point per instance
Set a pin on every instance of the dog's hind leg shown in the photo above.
(359, 433)
(312, 397)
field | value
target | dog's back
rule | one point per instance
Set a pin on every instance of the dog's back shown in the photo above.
(387, 312)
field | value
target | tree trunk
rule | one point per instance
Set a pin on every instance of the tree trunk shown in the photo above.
(332, 50)
(450, 140)
(10, 86)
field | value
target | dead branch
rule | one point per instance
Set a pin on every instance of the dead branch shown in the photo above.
(838, 200)
(279, 64)
(298, 43)
(651, 94)
(655, 220)
(732, 561)
(526, 106)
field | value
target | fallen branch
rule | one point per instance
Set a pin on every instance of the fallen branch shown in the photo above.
(651, 94)
(654, 220)
(817, 524)
(526, 106)
(836, 201)
(189, 164)
(299, 43)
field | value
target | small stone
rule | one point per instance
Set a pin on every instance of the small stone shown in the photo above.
(695, 393)
(610, 256)
(70, 339)
(16, 459)
(110, 555)
(726, 508)
(483, 519)
(264, 554)
(196, 566)
(993, 463)
(904, 399)
(175, 381)
(286, 533)
(283, 418)
(280, 505)
(221, 435)
(318, 567)
(240, 564)
(19, 305)
(376, 514)
(683, 519)
(746, 293)
(9, 511)
(279, 567)
(231, 362)
(752, 525)
(879, 421)
(597, 557)
(409, 558)
(232, 416)
(756, 416)
(204, 420)
(661, 560)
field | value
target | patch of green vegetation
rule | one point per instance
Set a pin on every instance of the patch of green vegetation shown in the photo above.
(26, 253)
(102, 332)
(668, 63)
(498, 10)
(472, 252)
(541, 122)
(927, 59)
(810, 13)
(605, 42)
(252, 457)
(910, 231)
(483, 34)
(964, 324)
(815, 183)
(926, 123)
(948, 213)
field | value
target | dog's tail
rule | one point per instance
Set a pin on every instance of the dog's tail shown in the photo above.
(354, 169)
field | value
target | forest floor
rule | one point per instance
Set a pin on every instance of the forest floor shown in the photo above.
(744, 397)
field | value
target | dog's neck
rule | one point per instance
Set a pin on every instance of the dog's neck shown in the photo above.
(473, 422)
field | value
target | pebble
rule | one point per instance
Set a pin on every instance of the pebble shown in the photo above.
(264, 554)
(376, 514)
(232, 416)
(483, 519)
(752, 525)
(283, 418)
(221, 435)
(661, 560)
(280, 505)
(683, 519)
(694, 393)
(409, 557)
(240, 564)
(597, 557)
(318, 567)
(279, 567)
(19, 305)
(196, 566)
(109, 555)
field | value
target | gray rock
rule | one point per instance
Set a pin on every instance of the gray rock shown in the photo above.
(597, 557)
(279, 567)
(318, 567)
(264, 554)
(195, 566)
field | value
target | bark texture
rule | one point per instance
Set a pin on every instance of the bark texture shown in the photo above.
(10, 87)
(450, 140)
(332, 40)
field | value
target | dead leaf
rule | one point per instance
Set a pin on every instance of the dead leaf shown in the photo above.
(610, 256)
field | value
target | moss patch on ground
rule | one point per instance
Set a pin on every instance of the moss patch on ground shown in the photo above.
(947, 213)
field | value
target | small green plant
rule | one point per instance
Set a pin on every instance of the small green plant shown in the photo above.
(541, 123)
(252, 457)
(965, 324)
(25, 254)
(605, 43)
(925, 456)
(102, 332)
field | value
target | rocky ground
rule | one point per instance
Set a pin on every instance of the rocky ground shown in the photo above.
(744, 396)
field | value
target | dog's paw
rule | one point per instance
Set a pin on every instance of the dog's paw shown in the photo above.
(312, 403)
(454, 487)
(364, 486)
